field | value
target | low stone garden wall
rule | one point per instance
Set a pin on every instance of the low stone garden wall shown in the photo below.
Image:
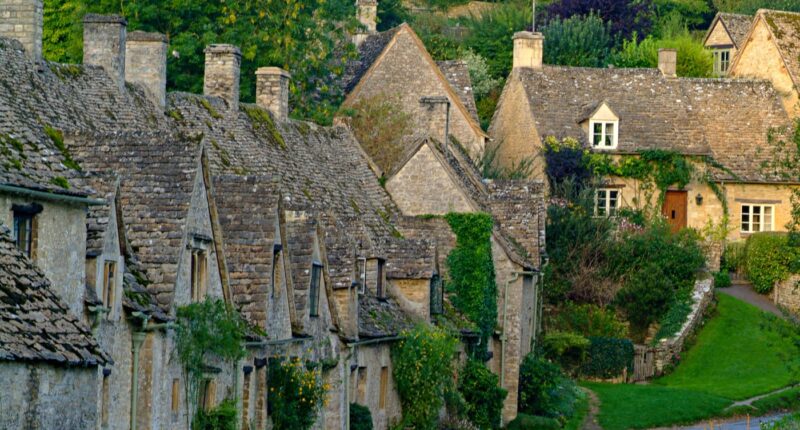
(650, 361)
(786, 294)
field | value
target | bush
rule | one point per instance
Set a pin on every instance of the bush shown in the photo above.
(733, 258)
(222, 417)
(483, 395)
(360, 417)
(645, 298)
(422, 370)
(588, 320)
(566, 349)
(296, 394)
(693, 59)
(565, 162)
(722, 279)
(608, 357)
(531, 422)
(577, 41)
(767, 257)
(544, 390)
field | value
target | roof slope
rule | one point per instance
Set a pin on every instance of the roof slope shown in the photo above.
(785, 28)
(736, 25)
(368, 53)
(457, 74)
(35, 325)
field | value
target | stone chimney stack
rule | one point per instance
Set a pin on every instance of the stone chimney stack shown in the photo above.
(272, 91)
(223, 63)
(368, 17)
(23, 20)
(528, 50)
(668, 62)
(104, 44)
(146, 64)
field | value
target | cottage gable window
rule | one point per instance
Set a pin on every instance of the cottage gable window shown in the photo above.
(109, 282)
(757, 218)
(604, 134)
(316, 280)
(606, 202)
(199, 275)
(722, 61)
(25, 228)
(379, 281)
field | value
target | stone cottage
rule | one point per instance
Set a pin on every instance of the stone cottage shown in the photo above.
(725, 37)
(769, 51)
(623, 112)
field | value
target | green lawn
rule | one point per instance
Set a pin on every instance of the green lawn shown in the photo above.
(736, 356)
(643, 406)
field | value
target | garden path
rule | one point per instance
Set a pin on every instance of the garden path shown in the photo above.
(737, 424)
(590, 422)
(744, 291)
(749, 402)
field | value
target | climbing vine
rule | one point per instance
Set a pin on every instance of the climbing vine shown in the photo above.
(207, 329)
(471, 287)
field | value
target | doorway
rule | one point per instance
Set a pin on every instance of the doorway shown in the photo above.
(675, 209)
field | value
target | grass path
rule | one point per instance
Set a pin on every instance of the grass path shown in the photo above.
(737, 355)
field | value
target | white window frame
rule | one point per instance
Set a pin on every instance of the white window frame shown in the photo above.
(718, 53)
(607, 208)
(748, 226)
(604, 133)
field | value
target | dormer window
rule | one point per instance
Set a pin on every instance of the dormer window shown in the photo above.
(604, 134)
(316, 280)
(25, 228)
(722, 61)
(199, 275)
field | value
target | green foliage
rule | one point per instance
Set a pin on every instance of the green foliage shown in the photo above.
(360, 417)
(544, 390)
(767, 257)
(693, 59)
(207, 329)
(567, 349)
(722, 279)
(482, 81)
(490, 35)
(491, 168)
(577, 41)
(749, 7)
(222, 417)
(392, 13)
(645, 298)
(472, 286)
(531, 422)
(60, 181)
(788, 422)
(483, 396)
(676, 315)
(296, 393)
(422, 369)
(674, 16)
(57, 137)
(733, 257)
(380, 124)
(588, 320)
(608, 357)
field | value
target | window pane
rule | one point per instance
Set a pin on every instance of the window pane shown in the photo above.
(613, 202)
(598, 134)
(745, 218)
(610, 134)
(767, 221)
(313, 300)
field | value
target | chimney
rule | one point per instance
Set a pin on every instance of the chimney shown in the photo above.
(104, 44)
(146, 64)
(23, 20)
(528, 50)
(668, 62)
(222, 73)
(272, 91)
(368, 17)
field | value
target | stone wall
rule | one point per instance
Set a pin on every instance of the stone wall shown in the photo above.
(513, 130)
(48, 397)
(373, 360)
(787, 294)
(23, 20)
(146, 64)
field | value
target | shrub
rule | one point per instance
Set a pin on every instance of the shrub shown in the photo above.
(624, 17)
(222, 417)
(360, 417)
(489, 35)
(482, 81)
(544, 390)
(608, 357)
(722, 279)
(422, 370)
(483, 395)
(566, 349)
(295, 394)
(531, 422)
(565, 162)
(380, 123)
(588, 320)
(788, 422)
(693, 59)
(645, 298)
(733, 257)
(577, 41)
(767, 257)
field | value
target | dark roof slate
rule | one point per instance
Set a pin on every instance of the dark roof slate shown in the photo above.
(737, 25)
(379, 318)
(785, 27)
(368, 52)
(35, 325)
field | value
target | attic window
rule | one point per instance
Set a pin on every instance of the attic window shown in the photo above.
(199, 272)
(25, 227)
(316, 278)
(604, 134)
(109, 284)
(722, 61)
(379, 290)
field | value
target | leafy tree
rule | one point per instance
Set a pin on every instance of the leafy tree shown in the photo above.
(672, 15)
(490, 36)
(482, 81)
(392, 13)
(577, 41)
(624, 17)
(693, 59)
(749, 7)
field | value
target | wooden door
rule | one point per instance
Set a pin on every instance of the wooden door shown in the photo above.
(675, 207)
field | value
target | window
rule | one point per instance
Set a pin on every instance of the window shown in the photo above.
(756, 218)
(24, 232)
(198, 275)
(437, 295)
(208, 394)
(384, 386)
(362, 385)
(362, 275)
(277, 266)
(313, 300)
(606, 202)
(106, 396)
(379, 280)
(176, 395)
(109, 277)
(604, 134)
(722, 61)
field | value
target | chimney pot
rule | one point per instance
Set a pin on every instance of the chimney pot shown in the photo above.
(528, 50)
(668, 62)
(146, 64)
(223, 63)
(272, 91)
(23, 21)
(104, 44)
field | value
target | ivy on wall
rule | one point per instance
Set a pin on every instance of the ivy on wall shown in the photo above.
(472, 288)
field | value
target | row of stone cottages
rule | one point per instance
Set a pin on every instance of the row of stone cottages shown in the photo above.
(728, 127)
(124, 203)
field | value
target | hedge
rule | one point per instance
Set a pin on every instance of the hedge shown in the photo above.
(608, 357)
(767, 260)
